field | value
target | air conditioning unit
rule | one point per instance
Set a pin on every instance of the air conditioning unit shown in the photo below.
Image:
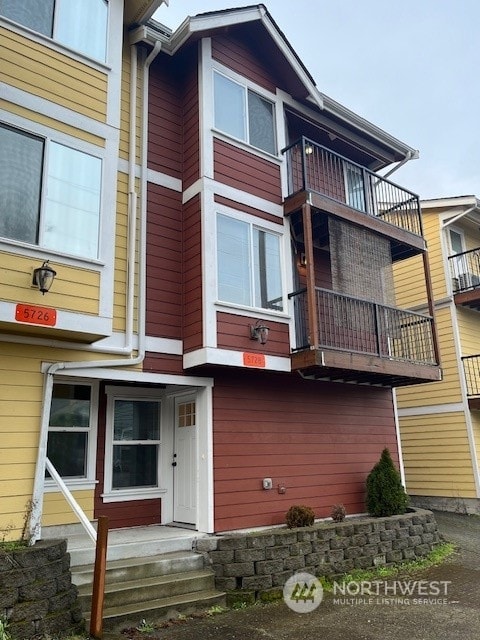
(468, 281)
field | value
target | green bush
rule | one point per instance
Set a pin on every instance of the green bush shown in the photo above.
(385, 493)
(300, 516)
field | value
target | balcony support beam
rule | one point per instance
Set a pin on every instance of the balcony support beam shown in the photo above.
(312, 315)
(431, 305)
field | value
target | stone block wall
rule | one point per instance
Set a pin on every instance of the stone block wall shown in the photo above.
(265, 560)
(36, 591)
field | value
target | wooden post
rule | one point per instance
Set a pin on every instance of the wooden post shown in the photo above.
(310, 275)
(431, 305)
(98, 594)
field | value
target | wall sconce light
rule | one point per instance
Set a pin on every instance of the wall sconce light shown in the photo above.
(43, 277)
(308, 149)
(259, 331)
(302, 260)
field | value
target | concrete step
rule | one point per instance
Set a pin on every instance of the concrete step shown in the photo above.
(145, 590)
(163, 608)
(140, 567)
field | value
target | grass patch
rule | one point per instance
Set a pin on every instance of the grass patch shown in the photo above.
(434, 558)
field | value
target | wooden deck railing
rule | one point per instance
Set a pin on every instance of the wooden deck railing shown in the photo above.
(465, 270)
(471, 368)
(312, 167)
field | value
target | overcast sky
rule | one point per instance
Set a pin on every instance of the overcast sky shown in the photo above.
(409, 66)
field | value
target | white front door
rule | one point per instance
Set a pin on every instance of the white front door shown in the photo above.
(185, 461)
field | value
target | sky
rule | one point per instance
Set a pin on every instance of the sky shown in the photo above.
(408, 66)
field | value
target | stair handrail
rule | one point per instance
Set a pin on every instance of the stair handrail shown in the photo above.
(77, 509)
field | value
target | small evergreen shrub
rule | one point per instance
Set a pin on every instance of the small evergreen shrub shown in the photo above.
(385, 493)
(300, 516)
(338, 513)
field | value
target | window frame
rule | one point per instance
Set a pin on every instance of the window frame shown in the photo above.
(247, 87)
(89, 480)
(64, 46)
(260, 225)
(109, 493)
(49, 138)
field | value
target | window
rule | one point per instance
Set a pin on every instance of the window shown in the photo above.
(50, 194)
(355, 187)
(136, 444)
(78, 24)
(69, 429)
(244, 114)
(248, 265)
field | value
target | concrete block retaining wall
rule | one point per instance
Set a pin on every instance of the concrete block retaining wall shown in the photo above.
(36, 591)
(265, 560)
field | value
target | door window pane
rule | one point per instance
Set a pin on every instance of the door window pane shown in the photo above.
(355, 187)
(268, 281)
(135, 465)
(21, 161)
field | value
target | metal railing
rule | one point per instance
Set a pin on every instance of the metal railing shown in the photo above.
(465, 270)
(351, 324)
(471, 368)
(312, 167)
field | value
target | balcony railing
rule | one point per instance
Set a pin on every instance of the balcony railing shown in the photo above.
(350, 324)
(471, 367)
(465, 270)
(312, 167)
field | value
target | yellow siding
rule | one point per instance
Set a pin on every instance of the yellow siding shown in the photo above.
(436, 455)
(74, 289)
(469, 328)
(42, 71)
(125, 107)
(120, 285)
(446, 391)
(475, 416)
(410, 290)
(55, 507)
(52, 124)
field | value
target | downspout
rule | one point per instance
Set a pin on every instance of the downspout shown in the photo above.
(411, 155)
(39, 479)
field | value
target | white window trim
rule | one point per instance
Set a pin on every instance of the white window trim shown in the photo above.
(64, 49)
(89, 481)
(37, 130)
(263, 225)
(247, 85)
(142, 493)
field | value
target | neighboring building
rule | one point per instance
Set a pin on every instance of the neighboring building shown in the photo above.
(440, 424)
(226, 338)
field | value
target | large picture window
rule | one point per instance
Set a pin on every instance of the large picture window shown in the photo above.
(248, 265)
(78, 24)
(69, 429)
(244, 114)
(51, 194)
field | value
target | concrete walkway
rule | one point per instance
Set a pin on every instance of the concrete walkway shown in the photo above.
(450, 614)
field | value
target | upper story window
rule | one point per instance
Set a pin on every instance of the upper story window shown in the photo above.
(244, 114)
(248, 265)
(50, 194)
(78, 24)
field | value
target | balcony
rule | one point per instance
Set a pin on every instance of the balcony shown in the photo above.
(465, 274)
(471, 368)
(334, 184)
(342, 338)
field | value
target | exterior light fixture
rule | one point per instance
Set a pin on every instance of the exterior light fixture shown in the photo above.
(43, 277)
(259, 331)
(308, 149)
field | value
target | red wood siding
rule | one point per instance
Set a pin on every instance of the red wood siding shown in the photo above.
(164, 263)
(235, 53)
(247, 172)
(163, 363)
(191, 123)
(131, 513)
(234, 333)
(192, 265)
(243, 207)
(165, 119)
(319, 440)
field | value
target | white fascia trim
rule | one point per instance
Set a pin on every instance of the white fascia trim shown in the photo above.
(232, 358)
(66, 321)
(114, 53)
(205, 517)
(205, 107)
(164, 180)
(163, 345)
(460, 201)
(122, 496)
(209, 268)
(55, 111)
(455, 407)
(133, 375)
(194, 189)
(399, 440)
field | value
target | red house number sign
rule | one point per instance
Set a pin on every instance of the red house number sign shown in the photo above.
(254, 360)
(35, 315)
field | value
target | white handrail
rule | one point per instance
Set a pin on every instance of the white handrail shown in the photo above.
(71, 501)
